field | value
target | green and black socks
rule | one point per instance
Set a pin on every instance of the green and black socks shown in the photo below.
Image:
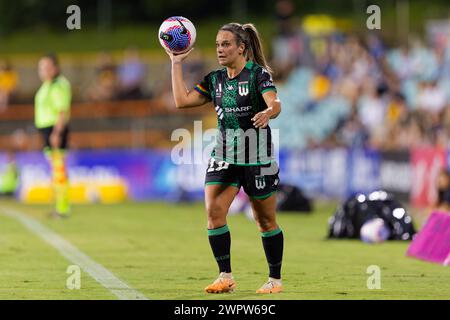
(220, 241)
(273, 242)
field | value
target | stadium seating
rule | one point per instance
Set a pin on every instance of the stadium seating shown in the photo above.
(125, 124)
(302, 118)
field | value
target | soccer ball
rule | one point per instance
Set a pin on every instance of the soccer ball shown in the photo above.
(374, 231)
(177, 34)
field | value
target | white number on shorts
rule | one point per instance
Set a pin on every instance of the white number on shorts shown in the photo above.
(221, 165)
(211, 165)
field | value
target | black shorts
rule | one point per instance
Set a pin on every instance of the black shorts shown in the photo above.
(46, 132)
(258, 181)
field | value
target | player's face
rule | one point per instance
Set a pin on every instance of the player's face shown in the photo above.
(227, 49)
(47, 69)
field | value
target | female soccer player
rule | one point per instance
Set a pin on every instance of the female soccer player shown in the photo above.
(245, 99)
(52, 113)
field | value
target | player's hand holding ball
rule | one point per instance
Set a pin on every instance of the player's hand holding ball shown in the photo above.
(177, 58)
(177, 36)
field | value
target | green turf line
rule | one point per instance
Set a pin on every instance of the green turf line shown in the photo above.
(30, 269)
(78, 258)
(161, 250)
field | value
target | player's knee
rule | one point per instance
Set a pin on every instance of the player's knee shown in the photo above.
(216, 214)
(213, 209)
(266, 224)
(216, 222)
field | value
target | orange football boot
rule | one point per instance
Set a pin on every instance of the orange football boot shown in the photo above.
(271, 286)
(224, 283)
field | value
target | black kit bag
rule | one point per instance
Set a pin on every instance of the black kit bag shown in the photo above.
(353, 213)
(291, 198)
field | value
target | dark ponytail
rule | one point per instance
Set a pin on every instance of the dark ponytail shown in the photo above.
(255, 52)
(248, 35)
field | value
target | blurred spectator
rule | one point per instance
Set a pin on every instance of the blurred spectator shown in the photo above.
(412, 132)
(402, 63)
(194, 69)
(284, 12)
(165, 95)
(352, 132)
(348, 89)
(403, 129)
(8, 84)
(372, 110)
(131, 75)
(375, 46)
(289, 44)
(431, 98)
(105, 86)
(319, 87)
(397, 110)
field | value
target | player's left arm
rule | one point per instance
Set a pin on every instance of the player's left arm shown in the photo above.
(261, 119)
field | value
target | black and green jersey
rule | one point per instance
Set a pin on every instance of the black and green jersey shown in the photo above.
(236, 101)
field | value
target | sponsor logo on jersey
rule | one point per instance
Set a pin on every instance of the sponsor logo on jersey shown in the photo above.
(243, 88)
(267, 84)
(238, 109)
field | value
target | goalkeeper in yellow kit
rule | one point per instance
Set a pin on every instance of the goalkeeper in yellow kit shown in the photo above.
(52, 114)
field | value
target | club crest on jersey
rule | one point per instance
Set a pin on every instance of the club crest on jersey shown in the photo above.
(243, 88)
(260, 182)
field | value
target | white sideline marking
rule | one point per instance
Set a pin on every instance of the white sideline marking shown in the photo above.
(74, 255)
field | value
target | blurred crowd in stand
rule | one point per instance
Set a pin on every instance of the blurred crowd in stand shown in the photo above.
(118, 82)
(344, 89)
(8, 84)
(337, 88)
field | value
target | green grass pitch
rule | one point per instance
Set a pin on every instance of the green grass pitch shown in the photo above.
(162, 251)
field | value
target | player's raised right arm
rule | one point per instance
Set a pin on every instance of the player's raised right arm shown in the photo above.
(183, 97)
